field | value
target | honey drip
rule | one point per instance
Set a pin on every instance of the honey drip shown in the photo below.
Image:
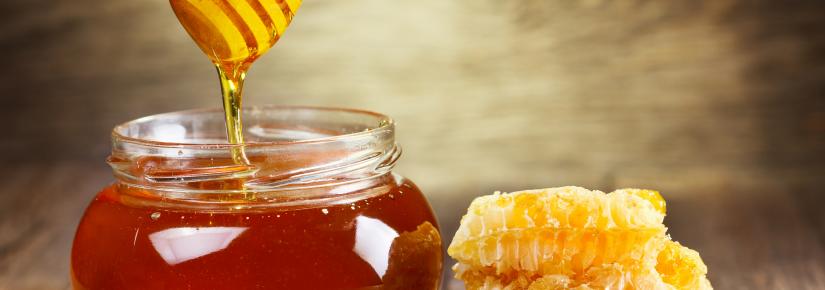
(233, 34)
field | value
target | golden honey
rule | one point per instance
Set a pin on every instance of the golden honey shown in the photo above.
(117, 245)
(233, 34)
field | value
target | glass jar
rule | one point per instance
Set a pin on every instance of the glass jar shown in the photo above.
(312, 204)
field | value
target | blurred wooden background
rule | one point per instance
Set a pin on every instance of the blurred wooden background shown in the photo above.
(720, 104)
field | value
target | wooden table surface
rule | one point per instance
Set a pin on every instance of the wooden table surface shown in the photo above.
(765, 239)
(719, 104)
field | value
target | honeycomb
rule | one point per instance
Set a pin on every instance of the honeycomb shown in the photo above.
(572, 238)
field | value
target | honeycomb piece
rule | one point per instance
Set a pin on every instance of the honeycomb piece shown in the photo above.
(572, 238)
(561, 230)
(651, 196)
(415, 260)
(682, 267)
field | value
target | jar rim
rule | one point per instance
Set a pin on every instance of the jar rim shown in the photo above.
(288, 147)
(118, 132)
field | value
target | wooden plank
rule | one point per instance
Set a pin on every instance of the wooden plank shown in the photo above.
(38, 223)
(751, 240)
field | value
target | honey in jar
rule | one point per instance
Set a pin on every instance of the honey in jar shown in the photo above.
(316, 207)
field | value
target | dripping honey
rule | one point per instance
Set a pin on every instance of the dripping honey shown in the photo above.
(233, 34)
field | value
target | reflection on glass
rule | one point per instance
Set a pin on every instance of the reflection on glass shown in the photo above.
(170, 132)
(177, 245)
(373, 239)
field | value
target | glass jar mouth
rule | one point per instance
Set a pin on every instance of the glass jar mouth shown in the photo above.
(286, 148)
(125, 132)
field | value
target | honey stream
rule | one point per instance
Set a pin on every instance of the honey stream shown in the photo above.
(233, 34)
